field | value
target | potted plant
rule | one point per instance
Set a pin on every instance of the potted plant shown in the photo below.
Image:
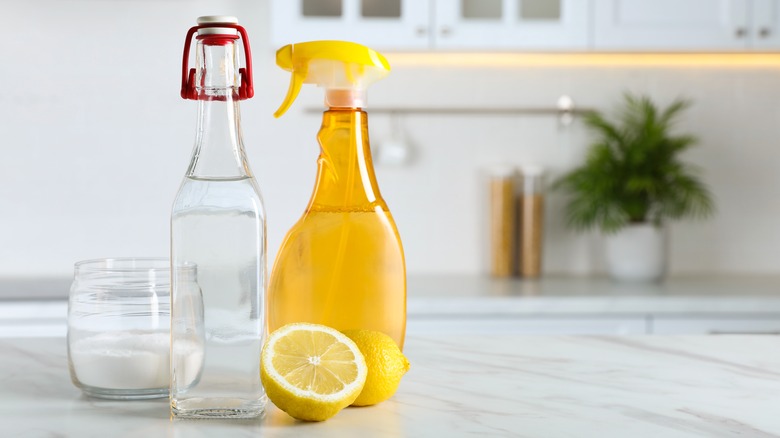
(632, 182)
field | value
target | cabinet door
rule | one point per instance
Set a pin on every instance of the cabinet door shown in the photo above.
(511, 24)
(29, 319)
(527, 326)
(379, 24)
(769, 325)
(765, 32)
(670, 25)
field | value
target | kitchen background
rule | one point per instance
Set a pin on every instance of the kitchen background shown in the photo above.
(96, 139)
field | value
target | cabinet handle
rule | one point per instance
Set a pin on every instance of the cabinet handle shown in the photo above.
(764, 32)
(740, 32)
(445, 31)
(421, 31)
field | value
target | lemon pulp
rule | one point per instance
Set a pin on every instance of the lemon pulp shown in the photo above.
(311, 371)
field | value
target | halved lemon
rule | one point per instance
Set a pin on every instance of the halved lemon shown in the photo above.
(311, 371)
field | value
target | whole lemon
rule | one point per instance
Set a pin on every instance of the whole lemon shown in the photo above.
(386, 365)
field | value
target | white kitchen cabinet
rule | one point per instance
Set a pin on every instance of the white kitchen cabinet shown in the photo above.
(34, 330)
(697, 325)
(33, 319)
(529, 326)
(511, 24)
(534, 25)
(436, 24)
(598, 325)
(686, 25)
(765, 28)
(672, 25)
(380, 24)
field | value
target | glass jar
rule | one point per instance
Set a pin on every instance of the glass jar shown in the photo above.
(531, 214)
(502, 221)
(119, 327)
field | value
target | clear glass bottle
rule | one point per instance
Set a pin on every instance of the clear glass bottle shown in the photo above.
(218, 224)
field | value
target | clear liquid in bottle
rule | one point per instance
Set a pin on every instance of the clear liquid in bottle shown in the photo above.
(217, 225)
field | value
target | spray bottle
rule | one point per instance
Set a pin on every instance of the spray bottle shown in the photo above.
(342, 263)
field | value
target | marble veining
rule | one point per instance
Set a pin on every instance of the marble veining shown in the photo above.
(500, 385)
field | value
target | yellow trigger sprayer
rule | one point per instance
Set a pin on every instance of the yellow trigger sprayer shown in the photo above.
(341, 264)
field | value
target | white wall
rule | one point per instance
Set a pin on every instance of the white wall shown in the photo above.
(95, 141)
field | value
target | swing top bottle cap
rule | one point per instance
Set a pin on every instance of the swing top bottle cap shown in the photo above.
(216, 30)
(343, 68)
(216, 19)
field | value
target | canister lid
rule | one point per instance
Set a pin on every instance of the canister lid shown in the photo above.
(531, 170)
(502, 171)
(216, 19)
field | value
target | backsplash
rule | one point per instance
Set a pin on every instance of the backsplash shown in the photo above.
(96, 141)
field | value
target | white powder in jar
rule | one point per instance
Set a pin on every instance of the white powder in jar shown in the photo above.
(129, 359)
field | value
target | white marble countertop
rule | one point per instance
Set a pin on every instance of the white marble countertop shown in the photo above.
(716, 386)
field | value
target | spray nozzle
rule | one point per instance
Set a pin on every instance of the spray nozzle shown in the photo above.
(343, 68)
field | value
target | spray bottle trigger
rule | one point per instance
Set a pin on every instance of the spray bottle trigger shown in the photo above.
(284, 59)
(292, 93)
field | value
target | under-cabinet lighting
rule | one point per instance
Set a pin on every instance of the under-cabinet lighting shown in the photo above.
(714, 60)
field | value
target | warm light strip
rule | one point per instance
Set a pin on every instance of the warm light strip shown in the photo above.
(716, 60)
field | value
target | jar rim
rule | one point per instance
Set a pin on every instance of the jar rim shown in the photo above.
(129, 264)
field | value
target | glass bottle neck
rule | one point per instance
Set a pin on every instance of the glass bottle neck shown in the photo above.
(219, 149)
(345, 173)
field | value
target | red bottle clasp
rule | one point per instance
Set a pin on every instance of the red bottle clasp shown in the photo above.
(245, 90)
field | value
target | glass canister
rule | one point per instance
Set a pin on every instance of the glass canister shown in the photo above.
(502, 221)
(531, 220)
(119, 327)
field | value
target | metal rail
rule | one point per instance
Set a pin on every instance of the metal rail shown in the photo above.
(564, 109)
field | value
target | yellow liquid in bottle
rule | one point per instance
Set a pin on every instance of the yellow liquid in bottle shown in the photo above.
(342, 264)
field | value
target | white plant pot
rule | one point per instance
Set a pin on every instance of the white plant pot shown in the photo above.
(637, 252)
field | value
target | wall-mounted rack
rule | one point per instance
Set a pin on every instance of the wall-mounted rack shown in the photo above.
(564, 109)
